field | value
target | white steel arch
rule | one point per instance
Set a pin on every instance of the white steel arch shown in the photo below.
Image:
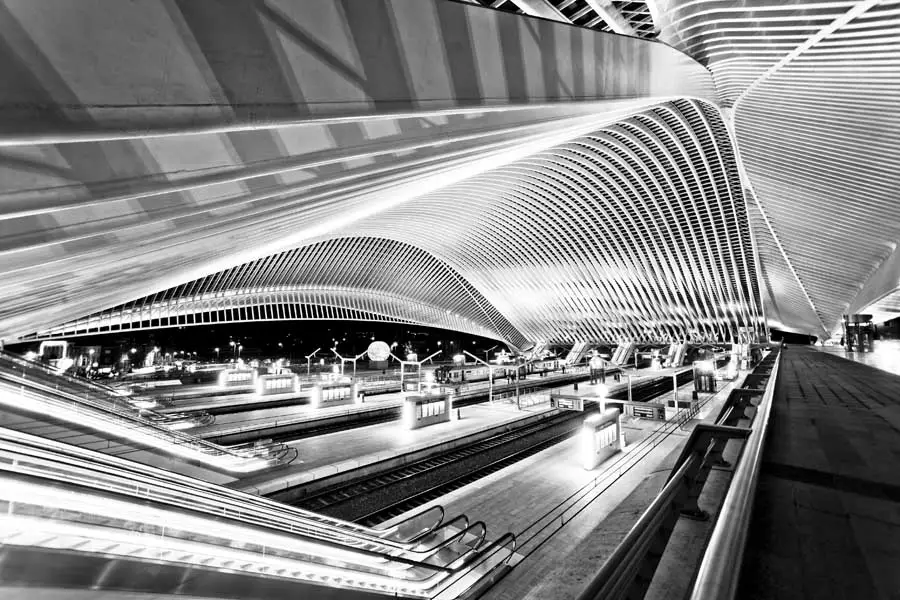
(815, 88)
(570, 243)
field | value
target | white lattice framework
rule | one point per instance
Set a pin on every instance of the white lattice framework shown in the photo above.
(815, 90)
(637, 231)
(553, 183)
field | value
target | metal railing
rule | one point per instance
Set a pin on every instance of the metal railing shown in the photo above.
(119, 399)
(109, 502)
(720, 568)
(46, 458)
(627, 573)
(36, 397)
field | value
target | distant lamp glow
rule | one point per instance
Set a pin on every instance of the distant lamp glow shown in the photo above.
(134, 350)
(31, 355)
(335, 369)
(378, 351)
(459, 358)
(411, 356)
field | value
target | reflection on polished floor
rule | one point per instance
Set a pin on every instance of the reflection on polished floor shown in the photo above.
(885, 357)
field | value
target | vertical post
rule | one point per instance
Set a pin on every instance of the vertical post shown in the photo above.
(517, 386)
(629, 386)
(490, 385)
(675, 389)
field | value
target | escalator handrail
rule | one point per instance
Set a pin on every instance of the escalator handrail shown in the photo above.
(148, 426)
(298, 535)
(397, 526)
(614, 575)
(459, 535)
(31, 364)
(231, 502)
(454, 521)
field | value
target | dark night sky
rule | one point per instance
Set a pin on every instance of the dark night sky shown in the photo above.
(298, 338)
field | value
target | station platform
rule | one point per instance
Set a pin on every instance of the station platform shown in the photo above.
(544, 495)
(327, 455)
(330, 454)
(826, 520)
(262, 419)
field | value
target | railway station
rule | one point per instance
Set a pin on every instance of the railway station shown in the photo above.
(438, 299)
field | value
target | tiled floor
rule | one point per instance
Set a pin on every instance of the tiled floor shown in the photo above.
(886, 355)
(826, 521)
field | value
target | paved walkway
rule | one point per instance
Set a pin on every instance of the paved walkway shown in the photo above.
(827, 515)
(885, 357)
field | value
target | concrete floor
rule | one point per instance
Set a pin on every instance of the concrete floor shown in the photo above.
(826, 522)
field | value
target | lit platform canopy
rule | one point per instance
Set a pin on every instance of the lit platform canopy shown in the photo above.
(445, 164)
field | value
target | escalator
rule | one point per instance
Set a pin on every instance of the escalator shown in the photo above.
(72, 519)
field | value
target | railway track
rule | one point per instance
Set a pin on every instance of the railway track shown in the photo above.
(373, 499)
(364, 497)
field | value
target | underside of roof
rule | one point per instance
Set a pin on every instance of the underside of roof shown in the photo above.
(815, 91)
(441, 163)
(635, 231)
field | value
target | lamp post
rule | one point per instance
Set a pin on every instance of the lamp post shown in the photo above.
(217, 353)
(239, 348)
(353, 360)
(486, 352)
(233, 347)
(411, 360)
(490, 374)
(309, 358)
